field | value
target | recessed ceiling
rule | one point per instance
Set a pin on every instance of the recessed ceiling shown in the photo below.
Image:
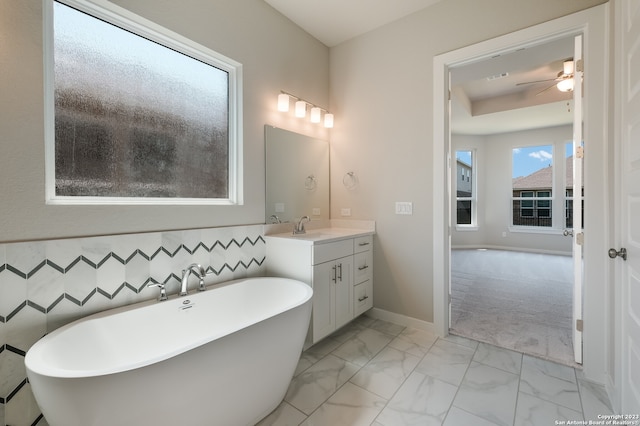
(488, 96)
(335, 21)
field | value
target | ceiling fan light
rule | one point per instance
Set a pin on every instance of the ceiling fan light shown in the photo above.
(565, 85)
(567, 67)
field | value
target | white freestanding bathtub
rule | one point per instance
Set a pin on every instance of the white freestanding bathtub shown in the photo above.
(224, 356)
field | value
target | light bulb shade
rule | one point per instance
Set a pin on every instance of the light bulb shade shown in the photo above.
(315, 114)
(328, 120)
(283, 102)
(567, 67)
(565, 85)
(301, 109)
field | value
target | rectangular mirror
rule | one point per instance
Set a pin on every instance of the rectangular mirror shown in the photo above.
(297, 176)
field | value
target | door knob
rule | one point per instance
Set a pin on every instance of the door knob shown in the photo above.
(613, 253)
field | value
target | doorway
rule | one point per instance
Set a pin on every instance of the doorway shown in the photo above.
(511, 193)
(592, 24)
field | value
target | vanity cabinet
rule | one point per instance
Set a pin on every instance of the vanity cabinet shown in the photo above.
(339, 271)
(363, 275)
(332, 296)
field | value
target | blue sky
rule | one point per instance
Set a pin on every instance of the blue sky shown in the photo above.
(530, 159)
(526, 160)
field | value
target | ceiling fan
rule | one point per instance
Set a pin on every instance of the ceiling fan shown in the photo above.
(564, 81)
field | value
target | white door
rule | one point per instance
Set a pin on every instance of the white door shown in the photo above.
(577, 201)
(628, 66)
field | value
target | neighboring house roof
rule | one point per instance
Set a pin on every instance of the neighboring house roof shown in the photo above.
(543, 178)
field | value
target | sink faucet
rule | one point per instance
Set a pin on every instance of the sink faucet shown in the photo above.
(198, 271)
(275, 219)
(299, 227)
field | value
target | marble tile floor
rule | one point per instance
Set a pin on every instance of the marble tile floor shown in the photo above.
(377, 373)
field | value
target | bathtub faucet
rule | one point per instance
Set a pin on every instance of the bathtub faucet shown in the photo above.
(198, 271)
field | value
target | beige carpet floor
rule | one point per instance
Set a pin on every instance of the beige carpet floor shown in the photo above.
(519, 301)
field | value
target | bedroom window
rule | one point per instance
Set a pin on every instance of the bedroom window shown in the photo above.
(532, 184)
(466, 189)
(137, 114)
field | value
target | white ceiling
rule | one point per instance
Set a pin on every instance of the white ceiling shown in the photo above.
(479, 105)
(335, 21)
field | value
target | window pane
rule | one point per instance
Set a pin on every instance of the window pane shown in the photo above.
(134, 118)
(464, 212)
(532, 178)
(464, 163)
(464, 188)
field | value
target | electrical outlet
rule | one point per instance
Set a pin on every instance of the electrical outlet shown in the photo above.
(404, 207)
(279, 207)
(315, 211)
(345, 211)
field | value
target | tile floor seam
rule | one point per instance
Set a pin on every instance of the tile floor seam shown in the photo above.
(459, 386)
(515, 412)
(580, 395)
(399, 387)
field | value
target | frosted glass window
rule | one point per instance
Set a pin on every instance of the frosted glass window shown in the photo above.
(136, 119)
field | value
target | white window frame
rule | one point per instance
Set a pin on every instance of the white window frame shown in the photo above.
(473, 226)
(557, 226)
(142, 27)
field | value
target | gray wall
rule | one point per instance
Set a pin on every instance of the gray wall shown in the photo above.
(494, 156)
(382, 90)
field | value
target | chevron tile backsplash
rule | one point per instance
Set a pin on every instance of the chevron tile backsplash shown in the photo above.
(46, 284)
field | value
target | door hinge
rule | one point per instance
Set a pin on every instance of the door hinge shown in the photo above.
(580, 239)
(449, 298)
(579, 325)
(580, 65)
(580, 152)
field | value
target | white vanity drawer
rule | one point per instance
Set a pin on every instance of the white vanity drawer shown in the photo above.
(331, 251)
(363, 266)
(362, 297)
(361, 244)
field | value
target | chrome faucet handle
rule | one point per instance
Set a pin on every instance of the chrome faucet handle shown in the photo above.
(163, 290)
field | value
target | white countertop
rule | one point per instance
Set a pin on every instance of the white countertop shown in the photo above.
(344, 230)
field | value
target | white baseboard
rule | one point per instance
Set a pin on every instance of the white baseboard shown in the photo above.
(399, 319)
(508, 248)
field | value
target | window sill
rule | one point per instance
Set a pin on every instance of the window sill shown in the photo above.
(466, 228)
(535, 230)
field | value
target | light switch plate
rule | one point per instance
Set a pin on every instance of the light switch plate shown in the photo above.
(404, 207)
(346, 211)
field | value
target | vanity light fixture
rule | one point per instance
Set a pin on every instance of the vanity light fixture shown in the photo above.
(328, 120)
(315, 115)
(301, 109)
(284, 100)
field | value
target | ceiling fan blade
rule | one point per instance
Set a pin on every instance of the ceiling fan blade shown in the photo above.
(544, 90)
(537, 81)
